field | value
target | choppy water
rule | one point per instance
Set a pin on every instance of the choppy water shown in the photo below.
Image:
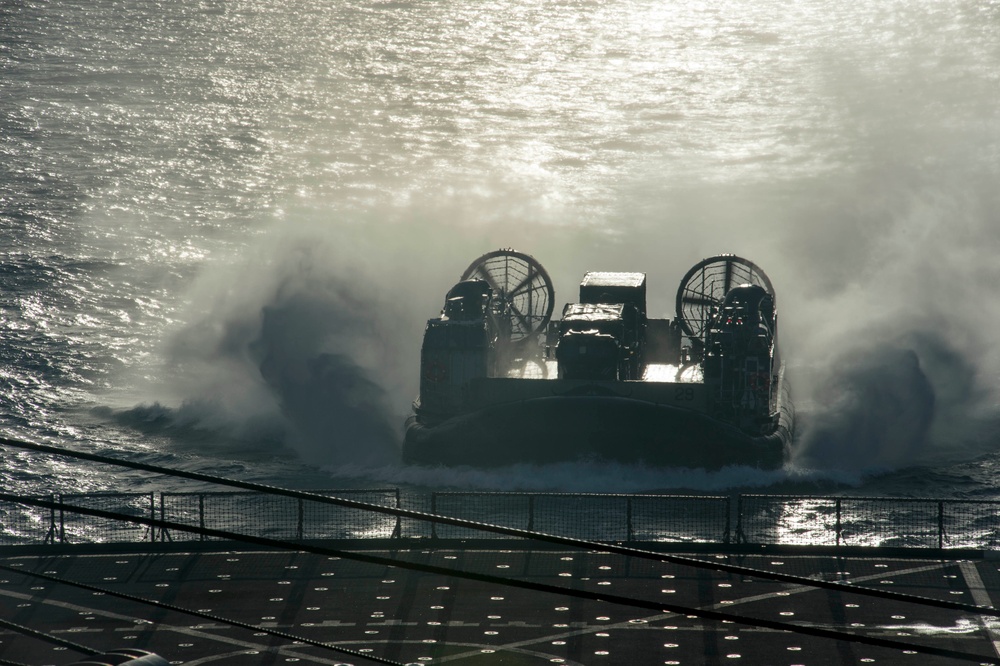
(225, 221)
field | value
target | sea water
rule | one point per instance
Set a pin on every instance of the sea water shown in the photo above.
(225, 222)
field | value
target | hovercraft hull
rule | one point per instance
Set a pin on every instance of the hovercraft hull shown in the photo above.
(562, 428)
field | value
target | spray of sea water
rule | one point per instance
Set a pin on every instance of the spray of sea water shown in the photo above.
(270, 215)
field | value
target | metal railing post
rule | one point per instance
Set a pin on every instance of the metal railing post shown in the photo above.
(727, 534)
(628, 518)
(397, 532)
(740, 536)
(201, 515)
(164, 533)
(940, 524)
(434, 511)
(50, 537)
(152, 516)
(62, 521)
(839, 526)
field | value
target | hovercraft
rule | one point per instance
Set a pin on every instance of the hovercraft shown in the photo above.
(501, 382)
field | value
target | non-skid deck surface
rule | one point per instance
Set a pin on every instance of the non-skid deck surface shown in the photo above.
(421, 618)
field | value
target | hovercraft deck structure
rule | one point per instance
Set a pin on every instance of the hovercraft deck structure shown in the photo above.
(501, 382)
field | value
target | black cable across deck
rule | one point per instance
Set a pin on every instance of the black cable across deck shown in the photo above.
(512, 531)
(511, 582)
(205, 616)
(48, 638)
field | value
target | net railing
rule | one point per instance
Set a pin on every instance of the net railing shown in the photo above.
(652, 519)
(593, 517)
(277, 517)
(23, 524)
(868, 521)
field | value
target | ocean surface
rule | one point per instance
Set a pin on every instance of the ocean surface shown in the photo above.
(225, 222)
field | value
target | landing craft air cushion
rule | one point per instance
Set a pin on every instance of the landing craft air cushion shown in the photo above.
(501, 382)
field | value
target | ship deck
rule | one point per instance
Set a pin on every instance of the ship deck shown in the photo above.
(405, 616)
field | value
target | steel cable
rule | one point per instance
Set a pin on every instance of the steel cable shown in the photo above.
(200, 614)
(48, 638)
